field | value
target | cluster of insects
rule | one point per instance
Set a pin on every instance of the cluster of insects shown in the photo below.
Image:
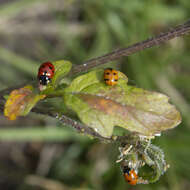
(141, 161)
(133, 156)
(144, 113)
(46, 73)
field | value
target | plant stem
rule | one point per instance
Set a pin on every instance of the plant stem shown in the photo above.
(81, 128)
(177, 31)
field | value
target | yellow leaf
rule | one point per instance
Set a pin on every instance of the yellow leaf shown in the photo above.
(20, 102)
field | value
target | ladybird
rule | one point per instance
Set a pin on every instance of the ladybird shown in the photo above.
(45, 73)
(110, 76)
(130, 175)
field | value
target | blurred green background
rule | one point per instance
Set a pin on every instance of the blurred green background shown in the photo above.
(37, 152)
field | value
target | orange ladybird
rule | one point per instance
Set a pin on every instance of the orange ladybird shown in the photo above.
(130, 175)
(110, 76)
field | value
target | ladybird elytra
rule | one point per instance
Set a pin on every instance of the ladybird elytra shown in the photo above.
(110, 76)
(130, 175)
(45, 73)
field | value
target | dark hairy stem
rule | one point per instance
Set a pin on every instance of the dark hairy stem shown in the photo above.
(79, 127)
(84, 129)
(177, 31)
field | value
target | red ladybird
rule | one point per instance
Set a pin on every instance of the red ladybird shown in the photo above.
(130, 175)
(45, 73)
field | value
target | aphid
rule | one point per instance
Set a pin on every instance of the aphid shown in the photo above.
(45, 73)
(110, 76)
(130, 175)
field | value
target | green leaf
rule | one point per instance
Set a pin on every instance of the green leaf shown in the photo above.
(102, 107)
(62, 67)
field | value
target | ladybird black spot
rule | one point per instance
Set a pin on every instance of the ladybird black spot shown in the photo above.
(43, 66)
(128, 181)
(114, 73)
(50, 67)
(115, 80)
(44, 80)
(107, 73)
(106, 79)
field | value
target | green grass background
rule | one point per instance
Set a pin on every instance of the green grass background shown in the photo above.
(36, 152)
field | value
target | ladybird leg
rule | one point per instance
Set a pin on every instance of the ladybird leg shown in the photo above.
(124, 151)
(121, 156)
